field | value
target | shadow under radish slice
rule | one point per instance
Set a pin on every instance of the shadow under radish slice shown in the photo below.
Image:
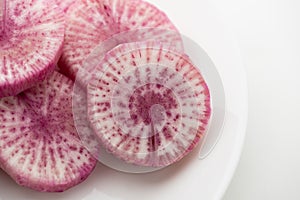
(31, 38)
(148, 104)
(39, 145)
(88, 23)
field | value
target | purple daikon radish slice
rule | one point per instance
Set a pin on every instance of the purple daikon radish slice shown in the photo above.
(85, 74)
(31, 38)
(39, 145)
(148, 104)
(90, 22)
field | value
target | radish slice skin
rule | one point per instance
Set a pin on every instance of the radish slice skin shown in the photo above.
(39, 145)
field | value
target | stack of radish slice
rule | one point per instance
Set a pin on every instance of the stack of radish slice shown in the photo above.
(142, 97)
(39, 145)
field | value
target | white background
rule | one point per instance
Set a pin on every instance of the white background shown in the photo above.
(268, 33)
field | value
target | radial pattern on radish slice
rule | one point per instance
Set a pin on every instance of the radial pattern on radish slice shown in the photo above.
(39, 145)
(32, 33)
(149, 105)
(65, 4)
(90, 22)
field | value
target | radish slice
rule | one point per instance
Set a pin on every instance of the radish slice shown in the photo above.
(91, 22)
(85, 74)
(31, 37)
(39, 145)
(148, 104)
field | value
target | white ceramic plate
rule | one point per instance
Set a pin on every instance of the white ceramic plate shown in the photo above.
(192, 178)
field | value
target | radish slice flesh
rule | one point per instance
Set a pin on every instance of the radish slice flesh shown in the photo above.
(65, 4)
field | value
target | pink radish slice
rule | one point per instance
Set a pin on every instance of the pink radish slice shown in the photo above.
(85, 74)
(39, 145)
(32, 33)
(148, 104)
(90, 22)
